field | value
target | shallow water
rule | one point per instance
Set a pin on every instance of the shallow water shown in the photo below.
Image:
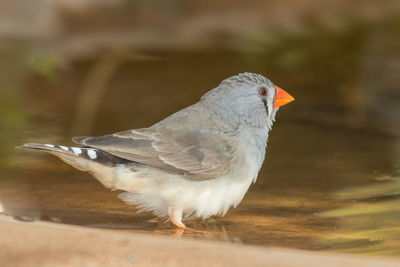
(330, 180)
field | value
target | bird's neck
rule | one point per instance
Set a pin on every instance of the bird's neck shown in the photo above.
(252, 143)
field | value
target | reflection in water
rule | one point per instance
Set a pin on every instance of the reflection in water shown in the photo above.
(332, 139)
(370, 220)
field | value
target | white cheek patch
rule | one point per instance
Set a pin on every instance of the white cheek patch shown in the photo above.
(92, 154)
(48, 145)
(64, 148)
(76, 150)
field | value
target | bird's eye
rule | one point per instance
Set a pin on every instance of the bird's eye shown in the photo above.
(262, 91)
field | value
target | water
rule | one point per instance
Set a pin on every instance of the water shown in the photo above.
(330, 180)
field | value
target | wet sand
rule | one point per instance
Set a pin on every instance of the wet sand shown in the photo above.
(50, 244)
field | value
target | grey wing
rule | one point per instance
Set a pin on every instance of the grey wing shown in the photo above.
(198, 154)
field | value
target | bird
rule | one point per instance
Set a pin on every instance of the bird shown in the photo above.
(196, 163)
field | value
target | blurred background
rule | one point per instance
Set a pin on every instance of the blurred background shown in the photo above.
(83, 67)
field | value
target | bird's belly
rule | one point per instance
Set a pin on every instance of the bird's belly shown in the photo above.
(157, 191)
(214, 197)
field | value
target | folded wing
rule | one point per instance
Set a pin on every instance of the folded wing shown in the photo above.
(198, 154)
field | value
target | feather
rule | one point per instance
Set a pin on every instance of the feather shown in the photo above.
(198, 154)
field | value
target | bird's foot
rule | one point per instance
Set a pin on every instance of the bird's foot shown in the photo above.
(183, 227)
(175, 216)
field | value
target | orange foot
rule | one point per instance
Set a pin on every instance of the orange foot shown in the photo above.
(175, 216)
(183, 227)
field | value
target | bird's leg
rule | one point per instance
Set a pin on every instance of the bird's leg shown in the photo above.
(175, 215)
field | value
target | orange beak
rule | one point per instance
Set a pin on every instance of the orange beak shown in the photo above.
(282, 97)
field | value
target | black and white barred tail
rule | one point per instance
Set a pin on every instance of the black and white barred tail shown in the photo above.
(87, 153)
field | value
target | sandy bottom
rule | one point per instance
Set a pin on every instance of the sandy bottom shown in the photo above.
(51, 244)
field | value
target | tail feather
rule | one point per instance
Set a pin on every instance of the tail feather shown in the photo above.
(97, 162)
(78, 139)
(87, 153)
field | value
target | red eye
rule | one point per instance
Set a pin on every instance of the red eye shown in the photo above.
(262, 91)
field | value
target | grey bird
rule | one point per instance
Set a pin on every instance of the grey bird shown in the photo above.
(196, 163)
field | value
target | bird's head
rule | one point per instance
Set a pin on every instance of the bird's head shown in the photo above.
(249, 98)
